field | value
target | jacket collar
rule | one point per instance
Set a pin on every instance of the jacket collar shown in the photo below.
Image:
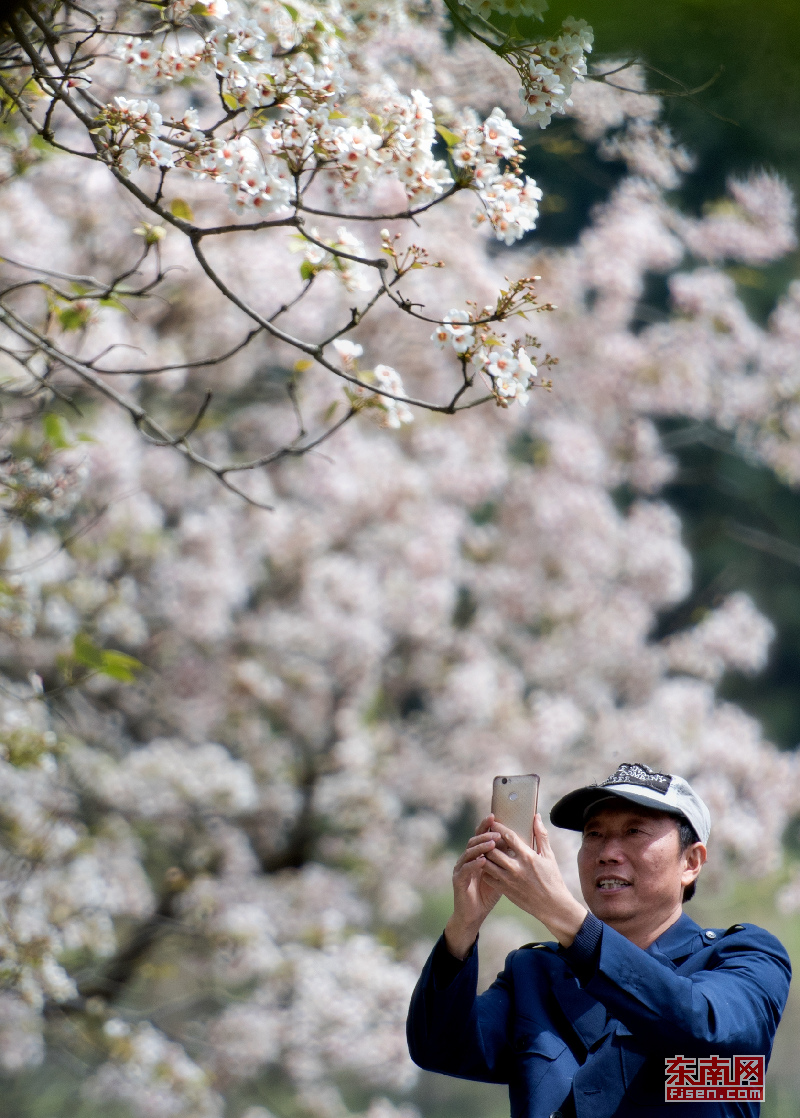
(588, 1017)
(679, 939)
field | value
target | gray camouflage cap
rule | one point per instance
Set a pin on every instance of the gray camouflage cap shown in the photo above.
(641, 785)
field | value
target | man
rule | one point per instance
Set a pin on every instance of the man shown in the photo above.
(583, 1027)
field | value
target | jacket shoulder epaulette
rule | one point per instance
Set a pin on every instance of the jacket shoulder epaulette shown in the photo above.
(711, 936)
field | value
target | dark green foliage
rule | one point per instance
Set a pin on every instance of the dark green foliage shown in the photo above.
(742, 526)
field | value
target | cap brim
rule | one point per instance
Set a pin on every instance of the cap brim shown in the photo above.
(570, 811)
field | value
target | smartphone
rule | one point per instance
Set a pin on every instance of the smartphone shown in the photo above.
(514, 803)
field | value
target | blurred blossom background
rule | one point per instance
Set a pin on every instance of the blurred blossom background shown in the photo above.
(240, 749)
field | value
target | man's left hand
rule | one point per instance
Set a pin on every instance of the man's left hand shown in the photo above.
(532, 880)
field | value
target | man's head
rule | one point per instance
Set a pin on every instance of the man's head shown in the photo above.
(635, 864)
(644, 836)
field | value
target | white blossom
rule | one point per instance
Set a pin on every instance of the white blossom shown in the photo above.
(339, 679)
(456, 330)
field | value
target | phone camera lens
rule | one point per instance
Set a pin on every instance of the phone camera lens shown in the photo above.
(505, 780)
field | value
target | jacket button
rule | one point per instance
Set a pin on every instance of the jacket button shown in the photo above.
(710, 935)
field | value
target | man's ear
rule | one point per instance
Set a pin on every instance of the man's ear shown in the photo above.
(694, 857)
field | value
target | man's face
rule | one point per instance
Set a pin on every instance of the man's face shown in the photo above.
(631, 865)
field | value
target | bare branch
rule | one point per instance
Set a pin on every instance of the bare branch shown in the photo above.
(200, 364)
(402, 215)
(379, 262)
(140, 417)
(195, 422)
(251, 227)
(314, 351)
(48, 272)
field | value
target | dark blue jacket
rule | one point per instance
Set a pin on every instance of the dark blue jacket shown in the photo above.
(590, 1026)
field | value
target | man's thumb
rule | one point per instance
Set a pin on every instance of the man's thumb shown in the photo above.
(539, 830)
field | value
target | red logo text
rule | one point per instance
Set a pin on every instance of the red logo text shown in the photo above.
(714, 1078)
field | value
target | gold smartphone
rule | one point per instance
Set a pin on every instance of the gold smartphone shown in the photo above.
(514, 803)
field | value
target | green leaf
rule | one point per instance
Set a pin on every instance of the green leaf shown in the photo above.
(120, 666)
(57, 431)
(181, 209)
(330, 411)
(86, 651)
(40, 143)
(115, 303)
(293, 12)
(307, 270)
(450, 138)
(230, 101)
(106, 661)
(74, 316)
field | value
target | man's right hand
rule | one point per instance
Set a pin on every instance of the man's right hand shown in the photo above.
(474, 896)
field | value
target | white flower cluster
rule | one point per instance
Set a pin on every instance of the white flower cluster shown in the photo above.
(484, 144)
(507, 368)
(354, 135)
(148, 61)
(457, 330)
(397, 412)
(394, 412)
(152, 1075)
(48, 492)
(159, 777)
(409, 129)
(254, 54)
(511, 205)
(60, 887)
(552, 69)
(735, 636)
(344, 1014)
(509, 201)
(510, 371)
(319, 125)
(354, 276)
(136, 127)
(21, 1042)
(255, 179)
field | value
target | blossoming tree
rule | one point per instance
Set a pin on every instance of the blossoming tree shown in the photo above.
(233, 740)
(273, 105)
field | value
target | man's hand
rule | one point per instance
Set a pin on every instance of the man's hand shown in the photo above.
(474, 896)
(532, 880)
